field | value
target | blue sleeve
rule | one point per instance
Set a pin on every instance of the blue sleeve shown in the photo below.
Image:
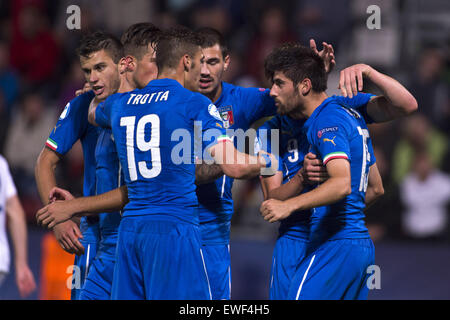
(330, 137)
(103, 113)
(71, 125)
(257, 103)
(359, 103)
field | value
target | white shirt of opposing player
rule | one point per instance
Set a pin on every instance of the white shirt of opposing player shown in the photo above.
(7, 190)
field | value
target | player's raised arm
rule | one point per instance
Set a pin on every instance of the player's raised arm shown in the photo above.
(60, 211)
(327, 54)
(337, 187)
(240, 165)
(395, 102)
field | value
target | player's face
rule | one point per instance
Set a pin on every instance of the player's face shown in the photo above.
(101, 73)
(285, 94)
(146, 69)
(212, 67)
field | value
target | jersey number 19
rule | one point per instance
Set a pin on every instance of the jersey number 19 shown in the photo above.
(142, 145)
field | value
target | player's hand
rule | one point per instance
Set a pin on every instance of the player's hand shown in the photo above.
(25, 280)
(327, 54)
(86, 88)
(59, 194)
(274, 210)
(351, 79)
(68, 234)
(313, 171)
(54, 213)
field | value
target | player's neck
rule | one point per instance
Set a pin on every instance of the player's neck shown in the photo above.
(126, 84)
(215, 94)
(313, 102)
(172, 74)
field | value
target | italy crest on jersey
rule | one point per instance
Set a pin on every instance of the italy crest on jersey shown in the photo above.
(227, 116)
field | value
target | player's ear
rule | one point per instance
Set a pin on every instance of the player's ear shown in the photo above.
(129, 63)
(122, 65)
(305, 87)
(227, 61)
(186, 63)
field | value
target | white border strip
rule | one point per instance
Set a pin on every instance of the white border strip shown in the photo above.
(206, 272)
(304, 277)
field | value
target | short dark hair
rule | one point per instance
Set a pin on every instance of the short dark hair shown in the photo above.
(137, 37)
(174, 43)
(99, 40)
(211, 37)
(297, 62)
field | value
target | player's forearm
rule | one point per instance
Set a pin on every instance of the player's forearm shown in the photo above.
(374, 187)
(399, 100)
(18, 230)
(288, 190)
(113, 200)
(206, 173)
(331, 191)
(45, 174)
(244, 166)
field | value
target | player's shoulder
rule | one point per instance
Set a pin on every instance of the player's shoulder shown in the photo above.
(120, 95)
(77, 105)
(335, 111)
(197, 97)
(330, 117)
(82, 99)
(243, 91)
(358, 100)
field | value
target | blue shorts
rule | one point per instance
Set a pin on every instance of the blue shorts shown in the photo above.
(98, 283)
(287, 255)
(218, 266)
(90, 243)
(336, 270)
(159, 260)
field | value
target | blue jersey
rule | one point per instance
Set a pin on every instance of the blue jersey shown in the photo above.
(239, 108)
(73, 125)
(108, 177)
(292, 148)
(335, 130)
(153, 129)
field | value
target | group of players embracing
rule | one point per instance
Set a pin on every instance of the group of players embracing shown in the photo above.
(149, 227)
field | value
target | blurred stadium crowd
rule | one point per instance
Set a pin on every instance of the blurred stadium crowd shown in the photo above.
(39, 74)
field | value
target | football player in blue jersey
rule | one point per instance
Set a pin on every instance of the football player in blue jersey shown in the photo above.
(138, 69)
(239, 108)
(99, 55)
(289, 181)
(159, 255)
(340, 249)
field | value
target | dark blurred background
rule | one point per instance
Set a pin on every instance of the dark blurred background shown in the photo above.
(39, 73)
